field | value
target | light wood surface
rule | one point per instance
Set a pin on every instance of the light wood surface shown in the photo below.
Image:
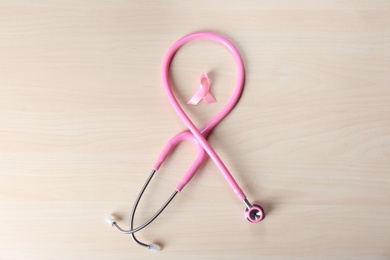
(83, 116)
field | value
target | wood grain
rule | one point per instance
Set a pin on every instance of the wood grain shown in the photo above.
(83, 117)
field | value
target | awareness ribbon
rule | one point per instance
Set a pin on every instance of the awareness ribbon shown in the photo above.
(203, 92)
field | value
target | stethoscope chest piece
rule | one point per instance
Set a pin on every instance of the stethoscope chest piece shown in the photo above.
(255, 214)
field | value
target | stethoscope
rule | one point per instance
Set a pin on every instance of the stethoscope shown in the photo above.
(253, 212)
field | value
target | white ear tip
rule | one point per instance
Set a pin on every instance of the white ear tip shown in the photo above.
(154, 248)
(110, 220)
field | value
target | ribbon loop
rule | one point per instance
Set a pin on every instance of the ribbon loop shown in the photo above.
(203, 92)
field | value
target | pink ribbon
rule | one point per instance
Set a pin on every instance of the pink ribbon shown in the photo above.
(203, 92)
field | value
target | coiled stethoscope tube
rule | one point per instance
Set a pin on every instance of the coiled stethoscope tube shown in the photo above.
(253, 212)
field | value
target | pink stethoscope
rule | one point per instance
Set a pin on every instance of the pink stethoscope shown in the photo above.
(253, 212)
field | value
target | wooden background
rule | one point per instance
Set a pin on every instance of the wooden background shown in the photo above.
(83, 116)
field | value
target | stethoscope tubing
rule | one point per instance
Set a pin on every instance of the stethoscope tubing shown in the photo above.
(220, 116)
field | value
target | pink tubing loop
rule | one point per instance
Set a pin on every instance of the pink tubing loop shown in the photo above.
(200, 136)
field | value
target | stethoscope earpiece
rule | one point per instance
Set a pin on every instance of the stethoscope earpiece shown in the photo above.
(110, 220)
(253, 213)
